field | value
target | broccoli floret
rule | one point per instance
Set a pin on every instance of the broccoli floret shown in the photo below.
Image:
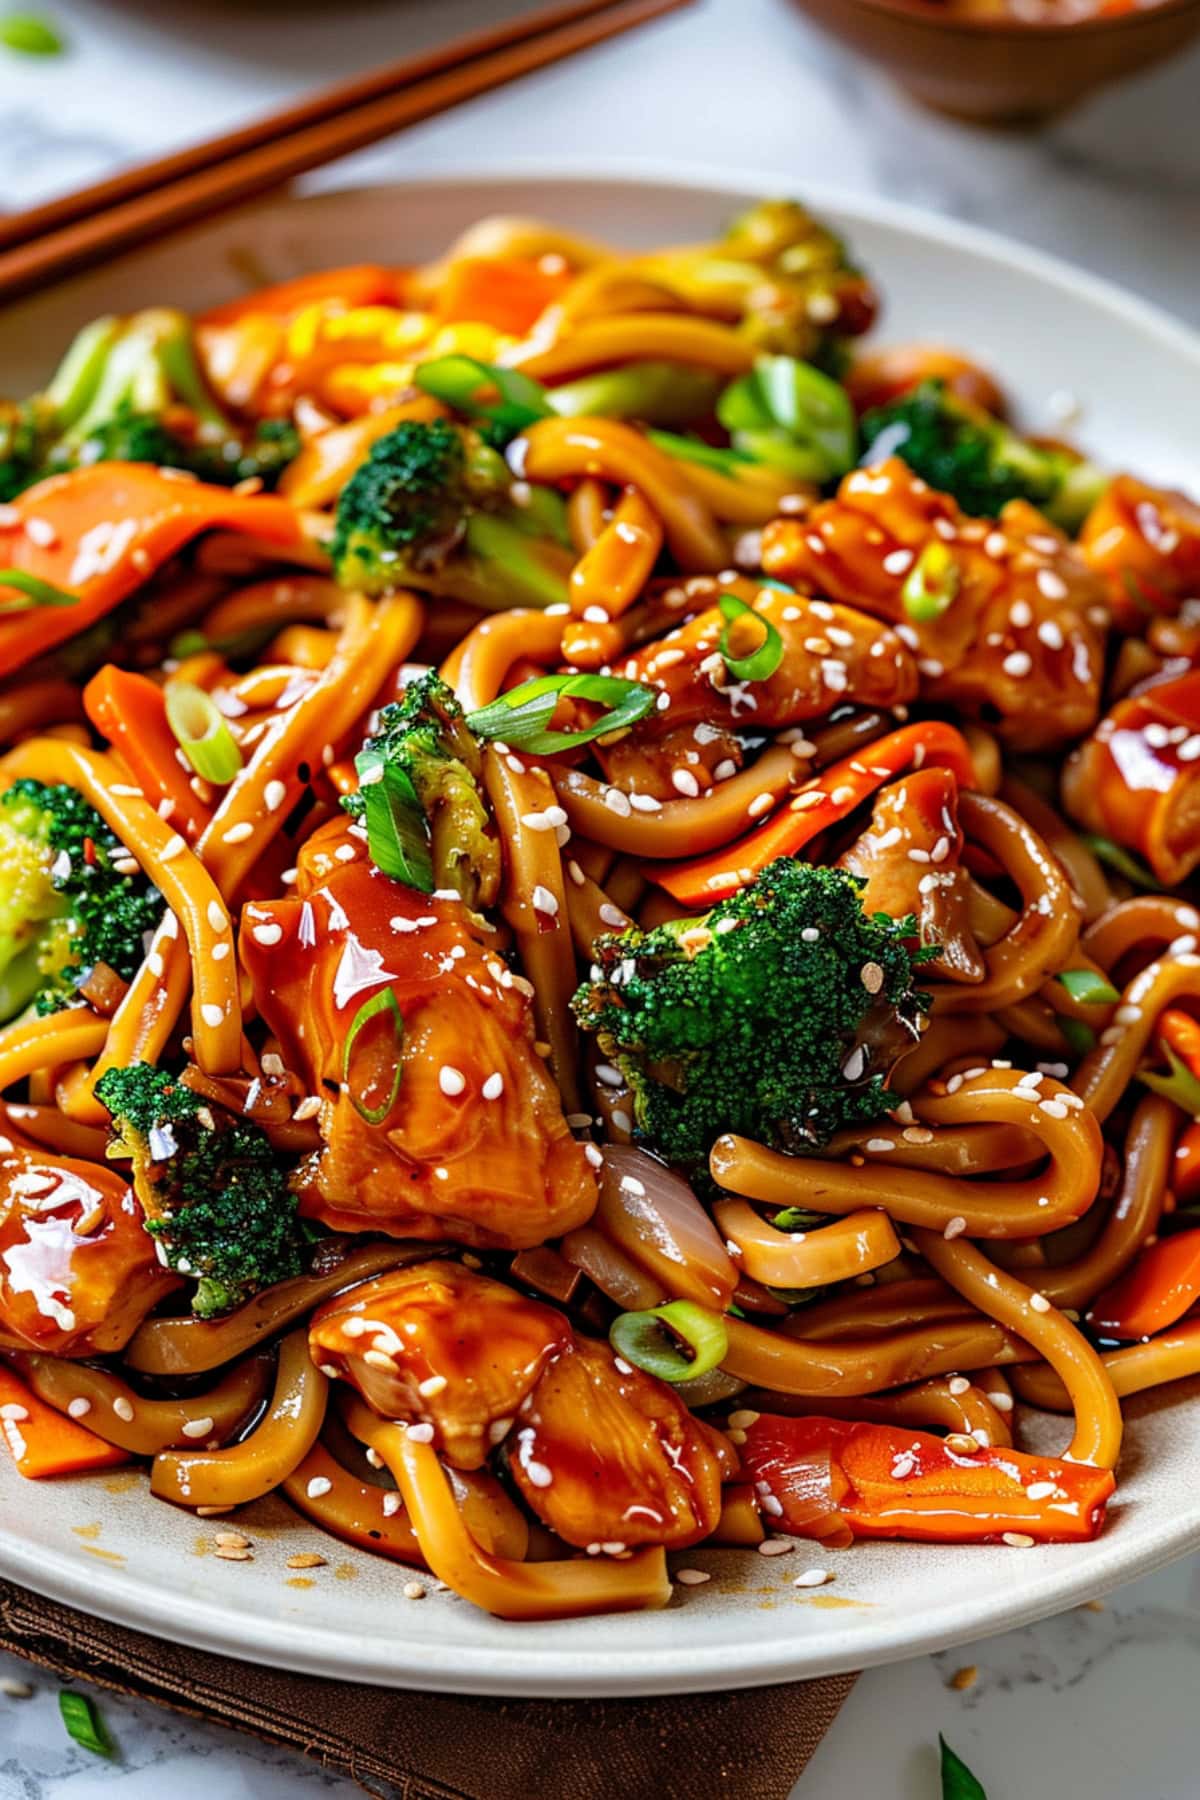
(776, 1016)
(428, 760)
(961, 450)
(64, 906)
(132, 391)
(812, 296)
(212, 1190)
(431, 509)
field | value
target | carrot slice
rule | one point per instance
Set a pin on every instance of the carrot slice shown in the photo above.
(43, 1442)
(510, 292)
(102, 531)
(884, 1481)
(131, 712)
(358, 284)
(1156, 1291)
(821, 802)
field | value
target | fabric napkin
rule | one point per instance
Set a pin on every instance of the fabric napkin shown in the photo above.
(407, 1746)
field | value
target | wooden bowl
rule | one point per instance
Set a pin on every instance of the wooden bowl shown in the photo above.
(1004, 72)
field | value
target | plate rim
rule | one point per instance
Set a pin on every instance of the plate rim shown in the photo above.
(517, 1669)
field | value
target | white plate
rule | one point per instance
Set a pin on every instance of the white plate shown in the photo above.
(106, 1546)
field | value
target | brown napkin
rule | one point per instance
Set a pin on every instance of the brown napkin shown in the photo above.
(405, 1746)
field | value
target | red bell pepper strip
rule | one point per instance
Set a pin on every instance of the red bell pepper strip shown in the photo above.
(104, 530)
(359, 284)
(509, 292)
(1153, 1293)
(821, 802)
(131, 712)
(1181, 1032)
(885, 1481)
(43, 1442)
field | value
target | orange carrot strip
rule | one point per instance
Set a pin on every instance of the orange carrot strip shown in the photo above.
(1181, 1032)
(1153, 1293)
(43, 1442)
(886, 1481)
(130, 711)
(509, 292)
(103, 531)
(821, 802)
(359, 284)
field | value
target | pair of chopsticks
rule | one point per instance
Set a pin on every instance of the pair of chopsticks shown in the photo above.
(66, 234)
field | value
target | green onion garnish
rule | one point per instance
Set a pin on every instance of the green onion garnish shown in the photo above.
(1120, 859)
(1180, 1085)
(1087, 987)
(932, 583)
(958, 1783)
(791, 417)
(480, 390)
(1080, 1038)
(520, 718)
(34, 592)
(798, 1218)
(647, 1340)
(709, 456)
(83, 1722)
(202, 733)
(760, 664)
(384, 1001)
(30, 35)
(397, 835)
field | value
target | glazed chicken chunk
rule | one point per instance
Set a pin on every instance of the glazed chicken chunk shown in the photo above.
(78, 1273)
(1005, 616)
(438, 1116)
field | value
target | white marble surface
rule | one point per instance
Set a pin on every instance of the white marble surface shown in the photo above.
(1085, 1707)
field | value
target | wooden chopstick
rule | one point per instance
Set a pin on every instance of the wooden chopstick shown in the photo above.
(213, 177)
(127, 184)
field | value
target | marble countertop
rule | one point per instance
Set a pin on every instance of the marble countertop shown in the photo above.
(1092, 1697)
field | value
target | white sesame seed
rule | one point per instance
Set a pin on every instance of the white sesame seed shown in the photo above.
(954, 1227)
(493, 1087)
(123, 1408)
(197, 1428)
(685, 783)
(173, 847)
(544, 901)
(451, 1080)
(1039, 1303)
(318, 1487)
(237, 834)
(212, 1014)
(1018, 1540)
(1041, 1490)
(421, 1434)
(812, 1578)
(775, 1547)
(1017, 663)
(692, 1577)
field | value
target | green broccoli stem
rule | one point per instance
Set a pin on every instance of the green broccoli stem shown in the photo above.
(72, 386)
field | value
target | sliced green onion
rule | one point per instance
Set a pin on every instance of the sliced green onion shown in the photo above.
(789, 415)
(30, 35)
(480, 390)
(645, 1339)
(760, 664)
(1087, 987)
(34, 592)
(520, 718)
(1120, 859)
(1180, 1085)
(710, 456)
(932, 583)
(384, 1001)
(397, 834)
(958, 1783)
(798, 1218)
(660, 393)
(1080, 1037)
(202, 733)
(83, 1722)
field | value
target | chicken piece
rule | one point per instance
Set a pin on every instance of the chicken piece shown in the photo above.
(1018, 642)
(439, 1118)
(78, 1273)
(831, 655)
(910, 860)
(608, 1456)
(438, 1345)
(1137, 778)
(1144, 544)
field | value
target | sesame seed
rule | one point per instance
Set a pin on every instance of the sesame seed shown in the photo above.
(954, 1227)
(1051, 584)
(413, 1590)
(593, 1156)
(123, 1408)
(544, 901)
(212, 1014)
(812, 1578)
(1039, 1303)
(775, 1547)
(1018, 1540)
(266, 935)
(391, 1505)
(231, 1552)
(685, 783)
(318, 1487)
(13, 1414)
(1018, 663)
(306, 1559)
(79, 1408)
(197, 1428)
(237, 834)
(173, 847)
(493, 1087)
(1041, 1490)
(274, 795)
(432, 1386)
(871, 976)
(421, 1434)
(692, 1577)
(15, 1690)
